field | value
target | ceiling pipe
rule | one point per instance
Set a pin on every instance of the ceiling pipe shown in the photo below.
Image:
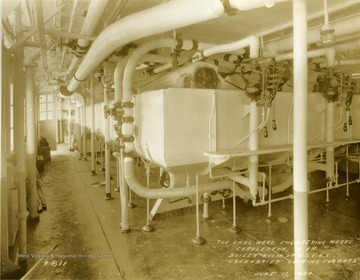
(328, 52)
(72, 17)
(39, 18)
(169, 16)
(252, 42)
(343, 27)
(341, 62)
(93, 17)
(253, 4)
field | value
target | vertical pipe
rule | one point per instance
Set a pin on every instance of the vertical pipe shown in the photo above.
(31, 143)
(206, 205)
(19, 150)
(77, 130)
(6, 265)
(198, 240)
(60, 122)
(330, 129)
(300, 138)
(254, 143)
(92, 104)
(123, 196)
(83, 126)
(106, 83)
(69, 123)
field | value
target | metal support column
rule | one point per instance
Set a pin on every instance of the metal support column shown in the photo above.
(92, 104)
(300, 139)
(19, 150)
(31, 142)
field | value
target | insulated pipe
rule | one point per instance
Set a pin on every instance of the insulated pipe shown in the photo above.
(341, 62)
(254, 145)
(330, 130)
(83, 128)
(38, 9)
(61, 121)
(69, 123)
(245, 5)
(142, 191)
(72, 17)
(92, 104)
(343, 27)
(106, 84)
(19, 150)
(93, 17)
(170, 15)
(300, 139)
(31, 142)
(251, 41)
(328, 52)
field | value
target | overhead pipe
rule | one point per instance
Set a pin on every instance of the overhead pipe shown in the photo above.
(328, 52)
(343, 27)
(341, 62)
(170, 15)
(300, 41)
(39, 17)
(72, 17)
(252, 42)
(93, 17)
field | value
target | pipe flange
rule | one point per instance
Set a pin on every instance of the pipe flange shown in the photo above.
(228, 9)
(80, 81)
(128, 105)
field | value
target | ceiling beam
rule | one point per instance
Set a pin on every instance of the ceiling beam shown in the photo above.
(33, 30)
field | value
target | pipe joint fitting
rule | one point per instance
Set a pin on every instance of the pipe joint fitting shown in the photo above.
(206, 199)
(127, 119)
(128, 105)
(128, 138)
(228, 9)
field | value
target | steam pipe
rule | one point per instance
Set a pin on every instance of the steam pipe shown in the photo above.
(106, 84)
(300, 41)
(341, 62)
(93, 17)
(328, 52)
(92, 104)
(254, 145)
(19, 149)
(343, 27)
(41, 30)
(31, 143)
(170, 15)
(244, 5)
(251, 41)
(330, 157)
(142, 191)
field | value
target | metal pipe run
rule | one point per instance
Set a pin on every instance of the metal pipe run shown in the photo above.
(92, 110)
(19, 150)
(31, 141)
(300, 138)
(330, 130)
(142, 191)
(83, 132)
(106, 85)
(41, 31)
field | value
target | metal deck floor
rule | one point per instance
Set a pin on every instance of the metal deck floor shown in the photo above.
(90, 245)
